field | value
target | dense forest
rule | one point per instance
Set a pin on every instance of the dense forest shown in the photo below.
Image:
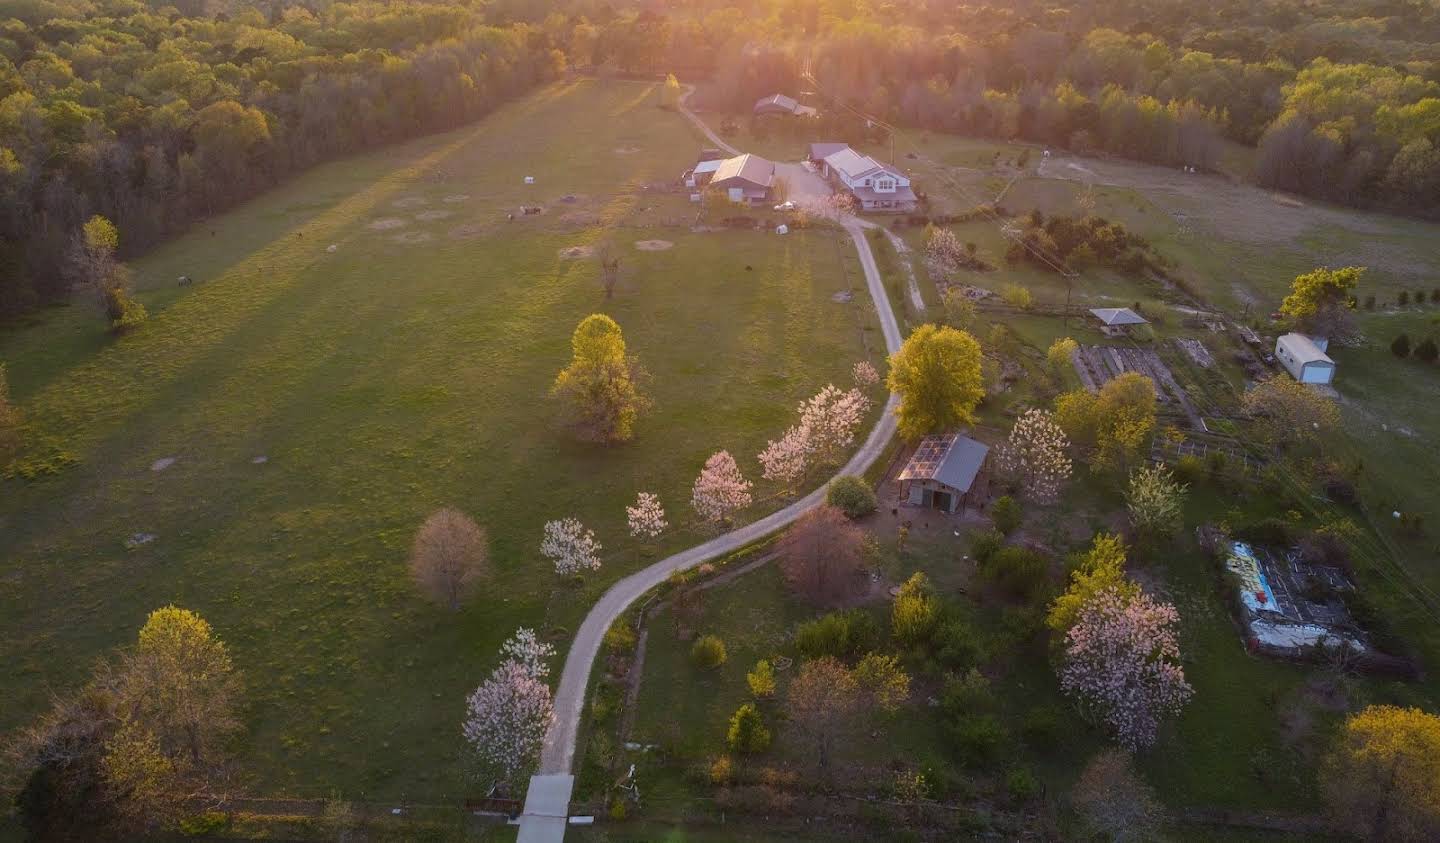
(154, 116)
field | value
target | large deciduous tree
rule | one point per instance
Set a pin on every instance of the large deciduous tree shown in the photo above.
(506, 719)
(1156, 501)
(1101, 568)
(1122, 665)
(823, 701)
(1319, 301)
(450, 556)
(821, 556)
(1114, 425)
(570, 546)
(830, 420)
(94, 266)
(720, 490)
(937, 375)
(599, 392)
(1382, 780)
(1285, 413)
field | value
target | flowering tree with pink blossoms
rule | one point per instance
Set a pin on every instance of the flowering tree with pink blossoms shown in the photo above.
(647, 516)
(1037, 455)
(1122, 665)
(832, 417)
(720, 490)
(786, 460)
(570, 546)
(865, 374)
(506, 719)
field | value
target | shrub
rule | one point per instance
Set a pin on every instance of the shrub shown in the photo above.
(985, 545)
(762, 679)
(1005, 512)
(1043, 727)
(915, 612)
(1427, 351)
(851, 495)
(1189, 469)
(708, 652)
(841, 635)
(747, 730)
(1400, 346)
(1021, 784)
(1018, 571)
(1267, 531)
(620, 638)
(1404, 298)
(958, 645)
(722, 770)
(979, 740)
(1016, 296)
(1369, 302)
(203, 824)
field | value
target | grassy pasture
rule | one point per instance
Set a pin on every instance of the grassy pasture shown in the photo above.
(403, 371)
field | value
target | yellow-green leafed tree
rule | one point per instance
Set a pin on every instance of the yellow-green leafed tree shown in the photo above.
(1116, 423)
(1382, 779)
(599, 391)
(937, 375)
(1102, 567)
(1319, 301)
(670, 94)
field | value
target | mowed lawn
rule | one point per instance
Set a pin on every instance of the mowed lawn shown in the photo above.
(404, 370)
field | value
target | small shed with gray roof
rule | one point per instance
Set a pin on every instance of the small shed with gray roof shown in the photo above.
(943, 472)
(1304, 359)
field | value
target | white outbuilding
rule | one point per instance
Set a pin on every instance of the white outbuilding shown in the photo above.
(1303, 359)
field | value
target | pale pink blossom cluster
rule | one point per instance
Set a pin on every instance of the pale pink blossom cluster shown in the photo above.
(527, 650)
(1122, 664)
(832, 417)
(786, 460)
(865, 374)
(1037, 454)
(506, 718)
(647, 516)
(570, 546)
(720, 490)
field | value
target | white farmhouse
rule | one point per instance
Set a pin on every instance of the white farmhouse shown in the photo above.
(875, 186)
(1303, 359)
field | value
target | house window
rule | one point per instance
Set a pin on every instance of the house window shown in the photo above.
(885, 184)
(867, 182)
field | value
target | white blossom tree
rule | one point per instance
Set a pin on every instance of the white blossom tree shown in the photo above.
(865, 375)
(1156, 500)
(720, 490)
(1037, 454)
(527, 650)
(785, 460)
(506, 719)
(570, 546)
(832, 416)
(1122, 664)
(647, 516)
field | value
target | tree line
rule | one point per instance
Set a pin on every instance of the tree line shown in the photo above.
(153, 118)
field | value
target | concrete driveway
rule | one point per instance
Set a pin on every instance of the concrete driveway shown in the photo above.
(805, 186)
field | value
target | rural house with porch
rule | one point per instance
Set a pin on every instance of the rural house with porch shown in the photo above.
(875, 186)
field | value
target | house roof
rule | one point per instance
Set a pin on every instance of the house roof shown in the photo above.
(1304, 349)
(747, 167)
(778, 101)
(899, 194)
(852, 164)
(1116, 316)
(948, 458)
(708, 166)
(821, 151)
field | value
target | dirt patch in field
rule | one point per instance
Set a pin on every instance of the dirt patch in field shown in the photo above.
(575, 253)
(653, 245)
(579, 219)
(412, 237)
(387, 224)
(457, 198)
(409, 202)
(468, 231)
(426, 216)
(626, 150)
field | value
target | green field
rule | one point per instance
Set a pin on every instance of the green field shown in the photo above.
(402, 371)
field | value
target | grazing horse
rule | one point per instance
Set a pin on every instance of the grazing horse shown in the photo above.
(185, 281)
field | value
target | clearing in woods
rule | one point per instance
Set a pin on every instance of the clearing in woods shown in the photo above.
(319, 402)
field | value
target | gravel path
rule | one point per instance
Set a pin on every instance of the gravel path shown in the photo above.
(548, 797)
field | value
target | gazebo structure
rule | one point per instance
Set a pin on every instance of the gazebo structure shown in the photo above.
(1117, 321)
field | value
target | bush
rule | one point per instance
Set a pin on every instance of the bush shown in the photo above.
(958, 646)
(851, 495)
(1189, 469)
(1400, 346)
(915, 611)
(1018, 571)
(986, 545)
(761, 680)
(204, 824)
(722, 770)
(1005, 512)
(979, 740)
(1427, 351)
(1274, 532)
(620, 638)
(747, 731)
(1043, 727)
(1021, 784)
(843, 635)
(708, 652)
